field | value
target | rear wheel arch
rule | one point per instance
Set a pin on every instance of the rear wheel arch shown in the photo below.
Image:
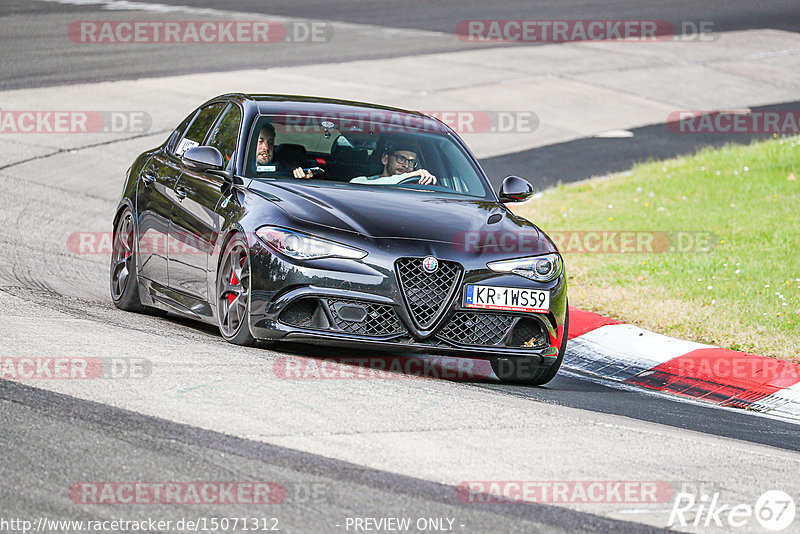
(125, 204)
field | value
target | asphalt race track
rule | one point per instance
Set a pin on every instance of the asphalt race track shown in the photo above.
(187, 407)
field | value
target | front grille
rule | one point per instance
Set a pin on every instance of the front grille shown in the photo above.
(427, 294)
(477, 328)
(378, 319)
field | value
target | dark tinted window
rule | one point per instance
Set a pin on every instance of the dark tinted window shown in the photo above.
(197, 131)
(178, 133)
(226, 132)
(352, 150)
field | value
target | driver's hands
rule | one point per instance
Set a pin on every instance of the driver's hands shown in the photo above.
(425, 178)
(300, 174)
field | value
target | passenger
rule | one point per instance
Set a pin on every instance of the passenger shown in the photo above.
(265, 151)
(399, 163)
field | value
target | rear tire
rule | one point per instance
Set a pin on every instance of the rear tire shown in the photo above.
(520, 371)
(233, 293)
(124, 281)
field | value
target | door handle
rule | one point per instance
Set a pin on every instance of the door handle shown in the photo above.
(180, 192)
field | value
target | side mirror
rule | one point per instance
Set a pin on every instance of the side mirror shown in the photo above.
(515, 189)
(203, 158)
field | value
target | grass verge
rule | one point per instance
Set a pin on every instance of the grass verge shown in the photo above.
(729, 220)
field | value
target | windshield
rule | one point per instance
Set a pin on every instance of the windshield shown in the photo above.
(363, 153)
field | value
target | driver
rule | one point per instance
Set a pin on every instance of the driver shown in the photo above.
(399, 163)
(265, 151)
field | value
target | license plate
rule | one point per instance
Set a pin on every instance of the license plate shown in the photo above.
(507, 298)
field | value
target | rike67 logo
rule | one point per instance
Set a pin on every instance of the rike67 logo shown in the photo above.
(774, 510)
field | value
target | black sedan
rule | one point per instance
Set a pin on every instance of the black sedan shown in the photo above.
(297, 219)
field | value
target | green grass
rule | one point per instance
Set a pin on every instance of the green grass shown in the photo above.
(742, 293)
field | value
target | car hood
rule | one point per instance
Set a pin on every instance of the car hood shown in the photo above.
(398, 214)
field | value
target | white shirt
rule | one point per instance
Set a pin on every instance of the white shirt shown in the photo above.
(380, 180)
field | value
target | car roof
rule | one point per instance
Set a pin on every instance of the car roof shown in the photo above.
(272, 104)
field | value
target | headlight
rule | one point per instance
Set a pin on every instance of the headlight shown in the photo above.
(540, 268)
(305, 247)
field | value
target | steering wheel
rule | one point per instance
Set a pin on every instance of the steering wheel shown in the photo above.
(409, 180)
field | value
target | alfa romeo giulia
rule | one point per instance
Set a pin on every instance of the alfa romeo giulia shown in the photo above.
(297, 219)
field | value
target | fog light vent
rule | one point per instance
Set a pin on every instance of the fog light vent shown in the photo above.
(365, 318)
(356, 313)
(528, 333)
(302, 313)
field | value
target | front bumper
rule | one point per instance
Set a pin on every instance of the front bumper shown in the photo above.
(306, 302)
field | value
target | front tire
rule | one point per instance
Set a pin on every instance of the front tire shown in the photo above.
(233, 293)
(520, 371)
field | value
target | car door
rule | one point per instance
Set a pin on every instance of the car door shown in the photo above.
(195, 221)
(154, 199)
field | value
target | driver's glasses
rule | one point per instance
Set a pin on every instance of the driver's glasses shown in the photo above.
(404, 161)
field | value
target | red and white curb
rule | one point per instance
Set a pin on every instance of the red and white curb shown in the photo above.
(638, 357)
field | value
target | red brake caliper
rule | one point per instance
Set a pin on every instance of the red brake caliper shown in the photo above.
(234, 282)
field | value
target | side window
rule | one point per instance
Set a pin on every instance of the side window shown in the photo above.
(197, 131)
(226, 132)
(176, 135)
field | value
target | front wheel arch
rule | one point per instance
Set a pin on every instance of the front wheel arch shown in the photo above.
(230, 233)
